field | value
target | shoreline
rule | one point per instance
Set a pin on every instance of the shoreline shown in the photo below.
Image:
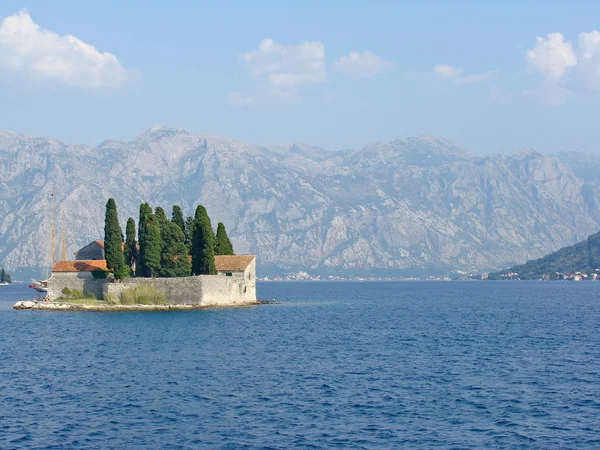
(66, 306)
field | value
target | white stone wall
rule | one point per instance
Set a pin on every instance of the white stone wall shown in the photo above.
(82, 281)
(250, 279)
(202, 290)
(223, 291)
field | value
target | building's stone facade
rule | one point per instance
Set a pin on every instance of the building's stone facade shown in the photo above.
(201, 290)
(93, 251)
(248, 275)
(82, 281)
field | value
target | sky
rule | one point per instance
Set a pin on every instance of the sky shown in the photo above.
(494, 77)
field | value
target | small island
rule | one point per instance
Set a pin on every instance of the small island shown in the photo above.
(166, 264)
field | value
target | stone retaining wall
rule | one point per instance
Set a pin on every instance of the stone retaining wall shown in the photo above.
(82, 281)
(201, 290)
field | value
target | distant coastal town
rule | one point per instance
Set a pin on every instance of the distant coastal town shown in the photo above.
(579, 262)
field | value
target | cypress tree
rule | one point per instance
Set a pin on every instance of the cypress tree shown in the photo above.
(174, 259)
(142, 262)
(153, 247)
(150, 243)
(223, 244)
(113, 241)
(131, 251)
(161, 217)
(177, 218)
(189, 233)
(203, 244)
(5, 276)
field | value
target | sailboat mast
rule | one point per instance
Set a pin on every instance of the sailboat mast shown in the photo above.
(53, 237)
(64, 234)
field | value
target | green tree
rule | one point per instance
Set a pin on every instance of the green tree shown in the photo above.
(174, 258)
(148, 264)
(141, 268)
(203, 244)
(130, 251)
(177, 218)
(161, 217)
(223, 244)
(153, 247)
(189, 233)
(5, 276)
(113, 241)
(593, 244)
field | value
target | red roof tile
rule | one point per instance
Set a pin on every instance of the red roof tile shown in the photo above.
(85, 265)
(225, 263)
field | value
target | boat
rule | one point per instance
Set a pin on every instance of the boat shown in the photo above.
(4, 283)
(40, 286)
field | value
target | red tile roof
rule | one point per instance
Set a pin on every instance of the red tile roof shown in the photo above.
(228, 263)
(85, 265)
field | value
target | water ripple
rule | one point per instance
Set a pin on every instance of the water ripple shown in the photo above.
(333, 365)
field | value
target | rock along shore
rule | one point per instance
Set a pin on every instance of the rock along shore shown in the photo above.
(65, 306)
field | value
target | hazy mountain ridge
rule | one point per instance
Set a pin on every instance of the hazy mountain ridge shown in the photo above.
(417, 202)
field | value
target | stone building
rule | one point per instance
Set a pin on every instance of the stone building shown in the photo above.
(238, 266)
(94, 250)
(235, 265)
(234, 284)
(77, 275)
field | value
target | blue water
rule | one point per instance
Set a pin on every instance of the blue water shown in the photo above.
(333, 365)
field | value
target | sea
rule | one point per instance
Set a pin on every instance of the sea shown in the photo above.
(372, 365)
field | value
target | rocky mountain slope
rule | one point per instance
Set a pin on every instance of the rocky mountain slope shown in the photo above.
(585, 165)
(412, 205)
(581, 257)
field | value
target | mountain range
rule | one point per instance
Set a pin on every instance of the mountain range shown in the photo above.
(412, 206)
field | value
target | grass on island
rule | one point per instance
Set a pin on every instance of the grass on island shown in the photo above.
(77, 297)
(142, 294)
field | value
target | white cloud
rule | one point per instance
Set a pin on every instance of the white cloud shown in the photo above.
(564, 67)
(552, 56)
(362, 65)
(446, 72)
(287, 67)
(239, 99)
(29, 50)
(589, 43)
(456, 74)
